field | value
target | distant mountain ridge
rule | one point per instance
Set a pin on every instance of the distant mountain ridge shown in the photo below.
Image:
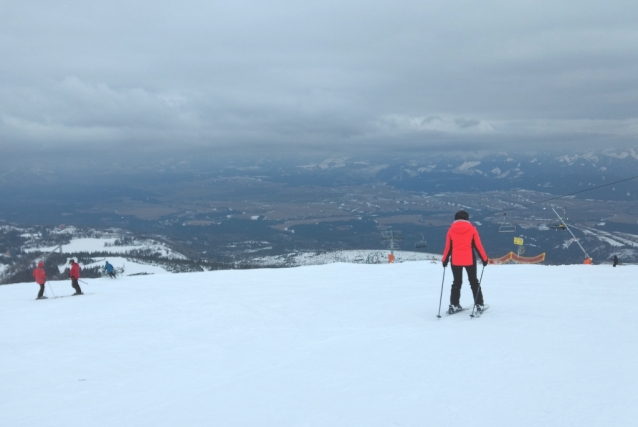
(216, 212)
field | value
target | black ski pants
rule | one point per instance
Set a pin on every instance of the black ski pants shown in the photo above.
(76, 286)
(41, 290)
(457, 272)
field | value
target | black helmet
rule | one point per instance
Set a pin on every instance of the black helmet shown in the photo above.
(462, 215)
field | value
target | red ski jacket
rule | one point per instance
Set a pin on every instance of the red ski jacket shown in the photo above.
(461, 240)
(40, 275)
(75, 271)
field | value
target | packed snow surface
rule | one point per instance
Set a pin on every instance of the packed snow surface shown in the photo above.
(332, 345)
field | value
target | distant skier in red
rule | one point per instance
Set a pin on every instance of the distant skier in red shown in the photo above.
(74, 274)
(40, 277)
(460, 243)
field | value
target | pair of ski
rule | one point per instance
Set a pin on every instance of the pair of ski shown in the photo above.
(64, 296)
(475, 313)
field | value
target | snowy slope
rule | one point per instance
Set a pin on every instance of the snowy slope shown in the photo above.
(333, 345)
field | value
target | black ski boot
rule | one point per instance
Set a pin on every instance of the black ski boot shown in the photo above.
(454, 309)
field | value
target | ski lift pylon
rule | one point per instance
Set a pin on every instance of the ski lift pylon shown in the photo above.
(391, 237)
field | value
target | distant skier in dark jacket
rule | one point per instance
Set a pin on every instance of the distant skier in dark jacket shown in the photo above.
(615, 258)
(109, 270)
(74, 274)
(40, 278)
(460, 243)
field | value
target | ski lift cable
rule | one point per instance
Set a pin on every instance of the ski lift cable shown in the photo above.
(560, 197)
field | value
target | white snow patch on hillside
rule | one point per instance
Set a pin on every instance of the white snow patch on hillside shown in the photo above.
(627, 239)
(336, 345)
(86, 244)
(467, 166)
(631, 237)
(621, 155)
(616, 239)
(351, 256)
(602, 237)
(106, 244)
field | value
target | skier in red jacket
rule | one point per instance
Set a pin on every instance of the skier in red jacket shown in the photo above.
(461, 241)
(74, 274)
(40, 277)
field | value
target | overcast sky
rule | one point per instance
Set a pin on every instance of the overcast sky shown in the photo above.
(160, 76)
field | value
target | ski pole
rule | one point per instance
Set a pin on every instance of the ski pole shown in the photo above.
(80, 280)
(478, 292)
(441, 297)
(45, 289)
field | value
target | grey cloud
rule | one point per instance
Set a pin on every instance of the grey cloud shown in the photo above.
(174, 75)
(465, 123)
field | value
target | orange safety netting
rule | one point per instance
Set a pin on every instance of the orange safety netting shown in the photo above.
(519, 259)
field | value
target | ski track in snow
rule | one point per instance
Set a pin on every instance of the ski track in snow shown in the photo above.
(331, 345)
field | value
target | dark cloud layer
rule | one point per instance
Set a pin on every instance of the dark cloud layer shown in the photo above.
(159, 78)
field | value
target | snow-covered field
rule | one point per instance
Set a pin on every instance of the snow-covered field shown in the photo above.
(106, 244)
(332, 345)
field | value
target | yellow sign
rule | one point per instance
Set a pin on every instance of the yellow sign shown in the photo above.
(518, 241)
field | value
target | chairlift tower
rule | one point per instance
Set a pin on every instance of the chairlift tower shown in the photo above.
(391, 237)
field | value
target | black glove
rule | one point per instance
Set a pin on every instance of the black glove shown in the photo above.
(484, 263)
(444, 264)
